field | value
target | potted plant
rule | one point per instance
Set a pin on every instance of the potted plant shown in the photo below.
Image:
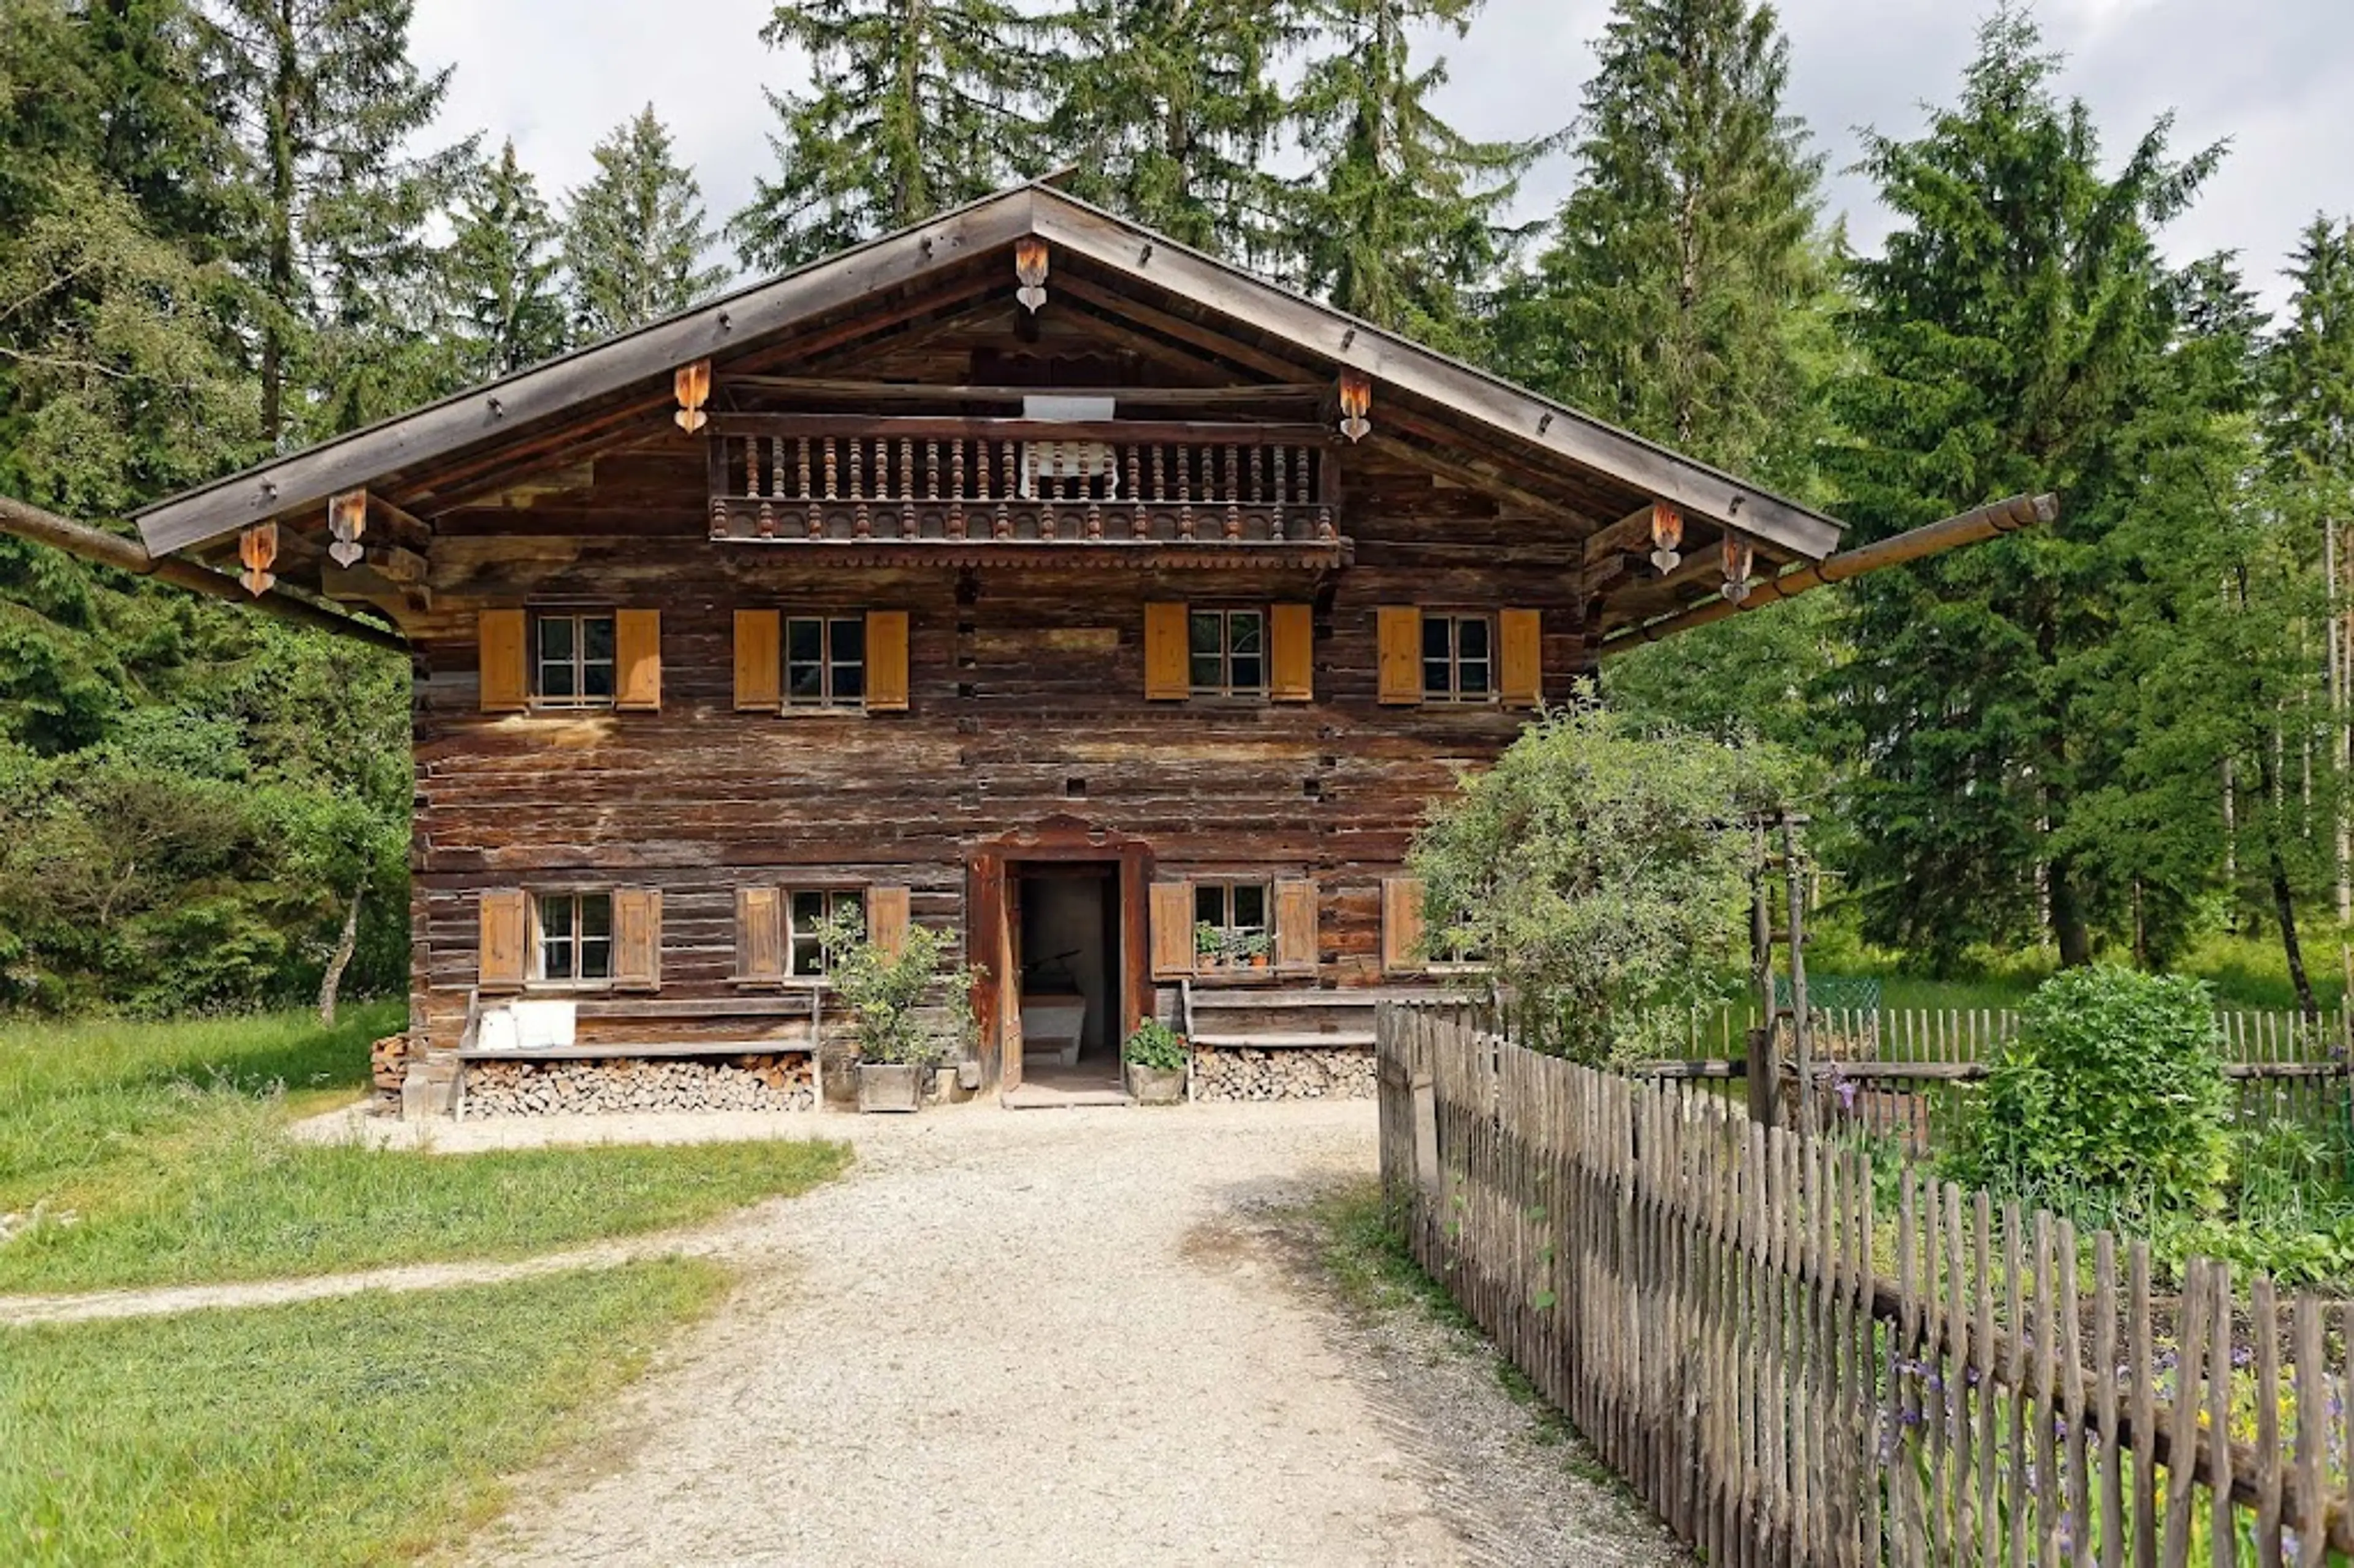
(1210, 945)
(1155, 1056)
(885, 992)
(1252, 948)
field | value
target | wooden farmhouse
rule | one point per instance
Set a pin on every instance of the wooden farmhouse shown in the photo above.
(1023, 574)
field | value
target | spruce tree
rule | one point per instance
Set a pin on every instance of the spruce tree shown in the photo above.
(1167, 111)
(2009, 330)
(914, 106)
(502, 270)
(1673, 298)
(1402, 214)
(326, 102)
(634, 236)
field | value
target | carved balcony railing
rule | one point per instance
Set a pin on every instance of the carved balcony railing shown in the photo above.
(813, 478)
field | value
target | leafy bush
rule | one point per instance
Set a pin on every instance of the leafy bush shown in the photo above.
(889, 993)
(2112, 1094)
(1156, 1046)
(1600, 871)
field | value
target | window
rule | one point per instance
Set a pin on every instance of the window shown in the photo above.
(1226, 652)
(825, 661)
(1230, 925)
(810, 908)
(1458, 660)
(572, 662)
(575, 937)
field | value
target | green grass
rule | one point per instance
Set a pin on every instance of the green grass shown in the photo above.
(163, 1146)
(368, 1429)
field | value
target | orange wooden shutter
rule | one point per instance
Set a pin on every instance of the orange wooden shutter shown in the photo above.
(637, 659)
(1519, 679)
(886, 660)
(887, 917)
(1401, 925)
(504, 679)
(1291, 637)
(759, 665)
(637, 937)
(760, 934)
(1166, 673)
(1172, 929)
(505, 938)
(1296, 947)
(1399, 628)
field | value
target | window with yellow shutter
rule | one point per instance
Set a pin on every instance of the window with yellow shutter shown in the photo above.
(821, 662)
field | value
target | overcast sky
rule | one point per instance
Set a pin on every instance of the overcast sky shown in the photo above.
(2274, 78)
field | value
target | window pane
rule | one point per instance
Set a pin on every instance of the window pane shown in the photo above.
(809, 908)
(1248, 675)
(596, 957)
(1250, 906)
(596, 636)
(556, 679)
(848, 637)
(1205, 633)
(556, 959)
(1434, 643)
(596, 915)
(597, 680)
(1471, 637)
(808, 957)
(805, 683)
(556, 914)
(1246, 632)
(1471, 676)
(804, 640)
(1208, 674)
(1209, 904)
(853, 905)
(1435, 677)
(849, 683)
(555, 638)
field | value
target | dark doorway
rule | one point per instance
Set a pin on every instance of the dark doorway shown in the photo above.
(1066, 930)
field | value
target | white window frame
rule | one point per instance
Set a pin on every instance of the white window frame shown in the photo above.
(579, 663)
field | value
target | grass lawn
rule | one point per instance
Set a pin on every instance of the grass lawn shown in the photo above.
(165, 1144)
(368, 1429)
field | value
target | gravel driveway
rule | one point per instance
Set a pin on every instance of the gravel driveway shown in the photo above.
(1067, 1337)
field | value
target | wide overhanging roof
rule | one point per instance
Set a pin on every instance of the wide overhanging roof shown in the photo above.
(1541, 432)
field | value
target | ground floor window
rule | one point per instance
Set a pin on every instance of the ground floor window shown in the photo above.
(575, 937)
(809, 908)
(1231, 929)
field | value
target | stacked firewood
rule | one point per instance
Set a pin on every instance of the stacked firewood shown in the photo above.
(1230, 1073)
(570, 1089)
(389, 1061)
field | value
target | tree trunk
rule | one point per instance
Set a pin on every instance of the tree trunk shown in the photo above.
(332, 982)
(2284, 897)
(2068, 927)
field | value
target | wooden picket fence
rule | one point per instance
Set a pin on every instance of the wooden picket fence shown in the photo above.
(1797, 1353)
(1898, 1073)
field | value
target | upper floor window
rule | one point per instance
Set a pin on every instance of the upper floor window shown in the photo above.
(809, 909)
(1231, 929)
(572, 659)
(825, 661)
(1458, 658)
(1226, 652)
(575, 937)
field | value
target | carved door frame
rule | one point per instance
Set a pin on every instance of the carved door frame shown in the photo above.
(991, 941)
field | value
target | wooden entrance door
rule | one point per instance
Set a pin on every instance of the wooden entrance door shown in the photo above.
(993, 938)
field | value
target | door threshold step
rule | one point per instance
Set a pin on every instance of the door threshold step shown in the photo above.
(1029, 1097)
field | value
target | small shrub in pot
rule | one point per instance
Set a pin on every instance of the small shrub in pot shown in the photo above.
(887, 992)
(1155, 1057)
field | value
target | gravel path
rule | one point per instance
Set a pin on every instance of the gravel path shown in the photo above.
(1068, 1337)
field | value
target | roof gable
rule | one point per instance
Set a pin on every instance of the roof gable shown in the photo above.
(1540, 433)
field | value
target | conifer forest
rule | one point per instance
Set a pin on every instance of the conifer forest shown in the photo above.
(232, 228)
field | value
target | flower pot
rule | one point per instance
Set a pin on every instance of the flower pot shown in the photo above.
(890, 1086)
(1155, 1086)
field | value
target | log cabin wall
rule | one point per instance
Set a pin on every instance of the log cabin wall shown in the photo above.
(1027, 701)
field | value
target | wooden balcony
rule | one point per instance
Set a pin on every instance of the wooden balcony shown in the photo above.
(999, 488)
